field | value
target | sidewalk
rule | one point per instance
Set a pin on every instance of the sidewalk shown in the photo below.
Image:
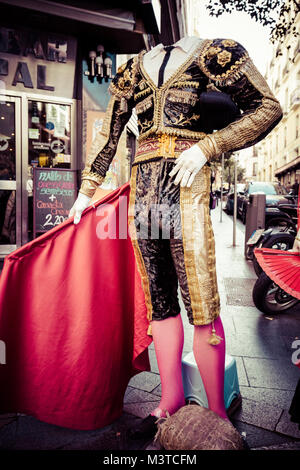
(261, 345)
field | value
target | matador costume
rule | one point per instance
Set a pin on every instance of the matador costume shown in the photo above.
(169, 122)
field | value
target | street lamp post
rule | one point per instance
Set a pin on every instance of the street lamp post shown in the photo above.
(222, 171)
(235, 202)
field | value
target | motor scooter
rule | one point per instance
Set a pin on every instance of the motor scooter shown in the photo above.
(270, 238)
(268, 297)
(283, 217)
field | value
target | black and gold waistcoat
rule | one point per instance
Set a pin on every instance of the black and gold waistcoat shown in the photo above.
(173, 109)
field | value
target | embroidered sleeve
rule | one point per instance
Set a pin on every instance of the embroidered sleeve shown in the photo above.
(228, 66)
(117, 115)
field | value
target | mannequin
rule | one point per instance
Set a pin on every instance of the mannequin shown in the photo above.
(171, 174)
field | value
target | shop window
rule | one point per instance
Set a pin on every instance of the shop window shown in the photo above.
(49, 143)
(49, 136)
(7, 174)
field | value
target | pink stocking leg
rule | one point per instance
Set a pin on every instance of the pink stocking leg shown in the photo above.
(168, 340)
(210, 360)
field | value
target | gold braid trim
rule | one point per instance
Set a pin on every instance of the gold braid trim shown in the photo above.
(119, 89)
(171, 131)
(142, 106)
(235, 72)
(209, 147)
(137, 252)
(199, 249)
(182, 96)
(142, 93)
(258, 81)
(249, 127)
(183, 84)
(160, 94)
(89, 186)
(252, 125)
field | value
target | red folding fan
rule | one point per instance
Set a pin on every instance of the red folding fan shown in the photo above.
(283, 267)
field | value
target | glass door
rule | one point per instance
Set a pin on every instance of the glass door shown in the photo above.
(48, 146)
(34, 132)
(10, 174)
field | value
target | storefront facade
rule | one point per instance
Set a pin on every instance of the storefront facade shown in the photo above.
(289, 174)
(38, 121)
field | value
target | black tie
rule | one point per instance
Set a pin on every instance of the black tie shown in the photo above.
(163, 65)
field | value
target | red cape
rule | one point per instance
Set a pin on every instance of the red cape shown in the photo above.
(73, 320)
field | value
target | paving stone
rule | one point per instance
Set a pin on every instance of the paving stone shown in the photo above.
(188, 338)
(223, 295)
(112, 437)
(154, 446)
(6, 419)
(8, 435)
(157, 391)
(232, 257)
(146, 381)
(127, 392)
(265, 325)
(141, 409)
(285, 426)
(8, 415)
(271, 373)
(253, 345)
(30, 433)
(258, 414)
(242, 376)
(4, 422)
(285, 446)
(244, 311)
(280, 398)
(288, 341)
(139, 396)
(257, 437)
(153, 361)
(228, 324)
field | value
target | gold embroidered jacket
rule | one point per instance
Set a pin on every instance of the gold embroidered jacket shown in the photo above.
(173, 108)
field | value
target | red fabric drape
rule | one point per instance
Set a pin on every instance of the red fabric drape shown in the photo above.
(73, 320)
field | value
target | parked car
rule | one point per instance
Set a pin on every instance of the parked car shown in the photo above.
(276, 194)
(240, 188)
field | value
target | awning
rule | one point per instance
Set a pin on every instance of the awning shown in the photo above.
(115, 18)
(122, 27)
(295, 163)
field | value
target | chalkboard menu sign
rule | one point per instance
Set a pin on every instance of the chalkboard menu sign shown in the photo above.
(54, 193)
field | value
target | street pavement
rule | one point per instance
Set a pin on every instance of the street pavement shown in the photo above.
(261, 345)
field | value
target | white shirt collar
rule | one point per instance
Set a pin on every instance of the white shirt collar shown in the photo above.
(186, 44)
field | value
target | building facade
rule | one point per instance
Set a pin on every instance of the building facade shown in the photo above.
(279, 152)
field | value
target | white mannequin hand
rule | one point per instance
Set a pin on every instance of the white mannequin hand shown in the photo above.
(188, 164)
(81, 203)
(296, 245)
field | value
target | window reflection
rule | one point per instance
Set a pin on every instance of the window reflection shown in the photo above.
(7, 172)
(7, 217)
(49, 143)
(7, 141)
(49, 135)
